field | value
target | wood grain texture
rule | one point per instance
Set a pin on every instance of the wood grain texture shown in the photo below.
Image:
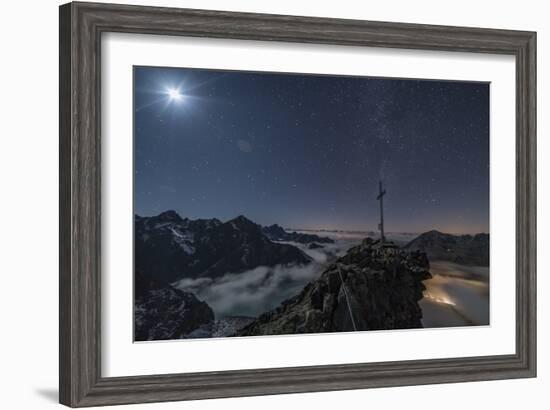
(81, 25)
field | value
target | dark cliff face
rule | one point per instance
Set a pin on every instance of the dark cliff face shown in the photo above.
(169, 248)
(470, 250)
(162, 312)
(277, 233)
(380, 285)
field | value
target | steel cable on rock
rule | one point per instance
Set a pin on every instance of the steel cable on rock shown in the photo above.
(346, 296)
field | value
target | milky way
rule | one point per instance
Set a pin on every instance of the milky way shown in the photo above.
(307, 151)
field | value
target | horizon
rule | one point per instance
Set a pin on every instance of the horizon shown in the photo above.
(303, 229)
(308, 150)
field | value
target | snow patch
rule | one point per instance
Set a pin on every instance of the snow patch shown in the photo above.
(184, 240)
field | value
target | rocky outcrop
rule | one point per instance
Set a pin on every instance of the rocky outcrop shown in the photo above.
(374, 286)
(169, 248)
(472, 250)
(277, 233)
(162, 312)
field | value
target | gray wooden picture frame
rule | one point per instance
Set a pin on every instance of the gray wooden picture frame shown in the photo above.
(81, 27)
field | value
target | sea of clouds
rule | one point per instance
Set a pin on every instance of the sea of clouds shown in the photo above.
(261, 289)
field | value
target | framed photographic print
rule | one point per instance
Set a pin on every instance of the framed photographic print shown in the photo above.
(258, 204)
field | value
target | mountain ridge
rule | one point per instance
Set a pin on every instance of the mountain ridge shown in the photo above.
(276, 232)
(464, 249)
(169, 247)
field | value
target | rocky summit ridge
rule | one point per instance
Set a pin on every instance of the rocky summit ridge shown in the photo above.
(374, 286)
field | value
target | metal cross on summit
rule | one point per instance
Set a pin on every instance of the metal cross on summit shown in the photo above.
(380, 197)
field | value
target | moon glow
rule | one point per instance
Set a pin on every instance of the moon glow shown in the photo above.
(174, 94)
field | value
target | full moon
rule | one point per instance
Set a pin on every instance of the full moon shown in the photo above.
(174, 94)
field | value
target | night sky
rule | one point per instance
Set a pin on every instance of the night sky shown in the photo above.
(307, 151)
